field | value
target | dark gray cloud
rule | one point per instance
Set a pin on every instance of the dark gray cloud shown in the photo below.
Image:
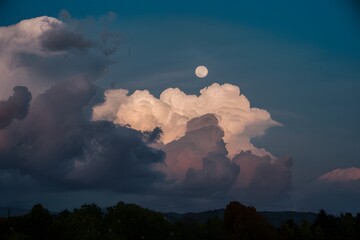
(103, 37)
(57, 145)
(263, 178)
(109, 42)
(117, 158)
(55, 68)
(69, 37)
(217, 175)
(152, 136)
(15, 107)
(60, 39)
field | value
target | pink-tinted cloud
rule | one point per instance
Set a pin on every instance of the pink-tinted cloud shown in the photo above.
(203, 136)
(341, 175)
(197, 164)
(263, 178)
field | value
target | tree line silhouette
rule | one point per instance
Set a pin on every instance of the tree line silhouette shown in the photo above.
(131, 222)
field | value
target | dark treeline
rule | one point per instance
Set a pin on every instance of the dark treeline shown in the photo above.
(130, 222)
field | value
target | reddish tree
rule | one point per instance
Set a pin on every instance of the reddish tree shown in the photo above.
(245, 223)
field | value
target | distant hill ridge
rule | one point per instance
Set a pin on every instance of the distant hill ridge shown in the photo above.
(274, 218)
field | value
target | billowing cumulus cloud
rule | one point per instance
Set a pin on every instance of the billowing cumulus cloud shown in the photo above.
(171, 112)
(16, 107)
(40, 52)
(207, 140)
(22, 38)
(341, 175)
(56, 144)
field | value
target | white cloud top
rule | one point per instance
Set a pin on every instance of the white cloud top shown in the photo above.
(171, 112)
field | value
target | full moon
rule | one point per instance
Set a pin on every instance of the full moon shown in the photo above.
(201, 71)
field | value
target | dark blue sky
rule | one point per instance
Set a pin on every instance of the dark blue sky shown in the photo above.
(300, 60)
